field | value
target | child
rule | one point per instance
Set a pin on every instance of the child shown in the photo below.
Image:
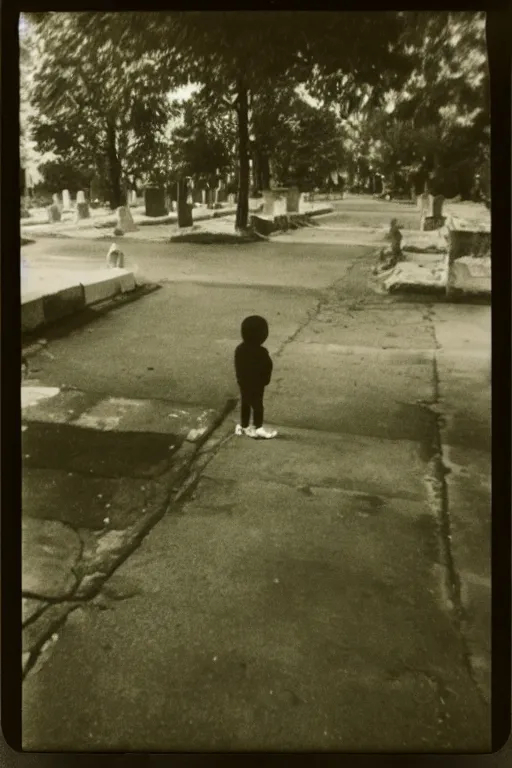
(253, 368)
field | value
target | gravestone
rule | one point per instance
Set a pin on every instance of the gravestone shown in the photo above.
(124, 219)
(53, 213)
(203, 196)
(133, 197)
(292, 200)
(423, 201)
(82, 207)
(154, 199)
(268, 202)
(56, 199)
(66, 200)
(280, 202)
(231, 199)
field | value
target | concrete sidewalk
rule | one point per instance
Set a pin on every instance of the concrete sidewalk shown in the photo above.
(329, 589)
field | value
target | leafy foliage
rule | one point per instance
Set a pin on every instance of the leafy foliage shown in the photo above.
(96, 103)
(439, 128)
(238, 57)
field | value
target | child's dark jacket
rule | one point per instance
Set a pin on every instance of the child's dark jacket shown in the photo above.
(253, 365)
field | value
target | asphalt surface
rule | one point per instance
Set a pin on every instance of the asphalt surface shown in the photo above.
(309, 593)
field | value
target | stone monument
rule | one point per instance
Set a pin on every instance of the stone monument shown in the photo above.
(154, 199)
(82, 206)
(292, 199)
(66, 200)
(53, 213)
(125, 221)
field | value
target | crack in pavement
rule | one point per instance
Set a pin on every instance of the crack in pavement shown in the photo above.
(435, 480)
(204, 451)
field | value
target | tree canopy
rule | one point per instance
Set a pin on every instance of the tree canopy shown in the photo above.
(94, 102)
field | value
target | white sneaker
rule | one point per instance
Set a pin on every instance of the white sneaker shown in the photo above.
(239, 430)
(266, 434)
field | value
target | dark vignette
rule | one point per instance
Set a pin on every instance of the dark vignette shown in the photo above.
(498, 25)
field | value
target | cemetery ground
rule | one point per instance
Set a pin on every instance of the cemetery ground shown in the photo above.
(187, 589)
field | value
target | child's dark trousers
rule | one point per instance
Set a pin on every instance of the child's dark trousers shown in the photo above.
(251, 398)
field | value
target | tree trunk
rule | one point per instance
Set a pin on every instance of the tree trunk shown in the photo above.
(184, 209)
(256, 175)
(242, 210)
(114, 169)
(265, 171)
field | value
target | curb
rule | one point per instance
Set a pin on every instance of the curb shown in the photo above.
(168, 491)
(39, 310)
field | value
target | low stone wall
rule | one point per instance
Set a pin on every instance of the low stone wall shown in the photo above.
(38, 310)
(469, 256)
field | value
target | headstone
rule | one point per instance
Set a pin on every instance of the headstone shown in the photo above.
(437, 206)
(203, 196)
(53, 213)
(56, 199)
(280, 204)
(115, 257)
(231, 199)
(66, 200)
(154, 198)
(269, 200)
(292, 199)
(80, 196)
(190, 199)
(124, 219)
(82, 210)
(133, 197)
(423, 202)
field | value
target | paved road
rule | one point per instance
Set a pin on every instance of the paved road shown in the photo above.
(326, 590)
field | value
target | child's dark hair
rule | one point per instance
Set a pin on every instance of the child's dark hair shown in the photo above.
(254, 329)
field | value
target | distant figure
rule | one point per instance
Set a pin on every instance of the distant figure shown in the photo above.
(115, 257)
(253, 368)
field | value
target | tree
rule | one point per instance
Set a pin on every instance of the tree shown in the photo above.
(202, 145)
(96, 103)
(304, 142)
(239, 56)
(440, 120)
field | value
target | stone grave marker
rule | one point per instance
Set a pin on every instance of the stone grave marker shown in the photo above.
(66, 200)
(280, 204)
(292, 199)
(82, 206)
(154, 198)
(53, 213)
(268, 202)
(124, 219)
